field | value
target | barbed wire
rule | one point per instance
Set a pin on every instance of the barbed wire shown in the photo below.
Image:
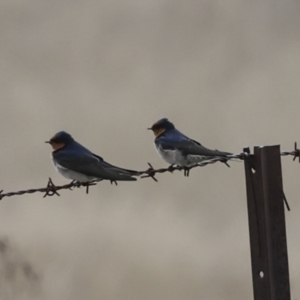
(51, 189)
(246, 152)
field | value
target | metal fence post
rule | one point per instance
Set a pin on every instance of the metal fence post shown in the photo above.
(269, 257)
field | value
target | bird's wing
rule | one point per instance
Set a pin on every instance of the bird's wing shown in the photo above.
(115, 168)
(190, 147)
(91, 165)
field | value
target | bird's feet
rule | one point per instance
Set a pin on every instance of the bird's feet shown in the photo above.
(75, 184)
(78, 184)
(186, 171)
(172, 168)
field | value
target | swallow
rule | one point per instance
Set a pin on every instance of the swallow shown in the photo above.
(75, 162)
(178, 149)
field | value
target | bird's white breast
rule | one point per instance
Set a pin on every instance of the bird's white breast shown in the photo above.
(170, 156)
(69, 174)
(176, 157)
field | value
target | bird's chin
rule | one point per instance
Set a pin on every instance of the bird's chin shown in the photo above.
(57, 146)
(158, 132)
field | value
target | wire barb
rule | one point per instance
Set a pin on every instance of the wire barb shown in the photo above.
(51, 189)
(150, 172)
(296, 152)
(285, 201)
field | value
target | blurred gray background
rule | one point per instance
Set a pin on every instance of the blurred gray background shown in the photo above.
(225, 72)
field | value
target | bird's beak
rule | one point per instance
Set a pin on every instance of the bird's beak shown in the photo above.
(149, 128)
(48, 142)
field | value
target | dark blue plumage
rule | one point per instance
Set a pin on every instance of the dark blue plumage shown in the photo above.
(176, 148)
(74, 161)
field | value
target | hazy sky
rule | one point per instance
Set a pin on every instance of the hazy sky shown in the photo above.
(226, 73)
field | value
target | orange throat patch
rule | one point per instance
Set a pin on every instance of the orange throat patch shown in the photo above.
(58, 146)
(159, 131)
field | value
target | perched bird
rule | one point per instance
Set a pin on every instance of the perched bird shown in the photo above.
(77, 163)
(178, 149)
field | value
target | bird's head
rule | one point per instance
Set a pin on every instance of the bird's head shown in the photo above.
(60, 140)
(161, 126)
